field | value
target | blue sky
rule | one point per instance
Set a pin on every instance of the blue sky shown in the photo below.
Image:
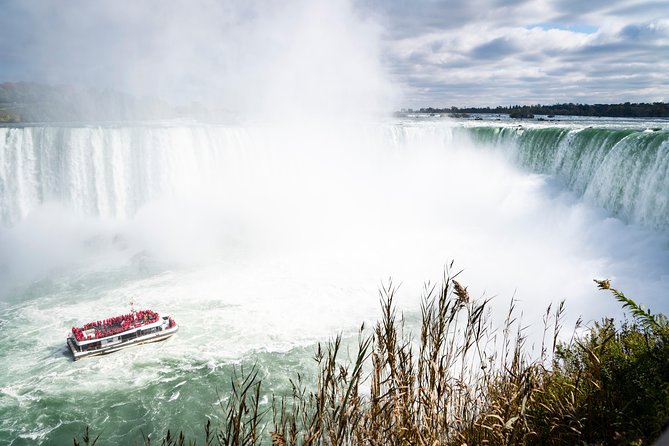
(347, 53)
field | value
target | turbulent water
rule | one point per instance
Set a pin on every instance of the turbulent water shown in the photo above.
(263, 241)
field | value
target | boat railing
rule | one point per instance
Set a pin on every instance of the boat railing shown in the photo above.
(115, 325)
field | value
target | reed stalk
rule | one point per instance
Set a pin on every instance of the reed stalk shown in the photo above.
(464, 381)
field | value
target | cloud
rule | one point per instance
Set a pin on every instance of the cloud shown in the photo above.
(405, 19)
(558, 51)
(495, 49)
(656, 32)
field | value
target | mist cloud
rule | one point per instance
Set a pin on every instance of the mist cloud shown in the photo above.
(241, 56)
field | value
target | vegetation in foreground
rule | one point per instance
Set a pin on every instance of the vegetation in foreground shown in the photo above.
(462, 381)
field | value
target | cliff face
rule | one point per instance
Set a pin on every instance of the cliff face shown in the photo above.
(9, 117)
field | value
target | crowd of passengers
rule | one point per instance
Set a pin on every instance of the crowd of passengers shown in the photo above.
(115, 325)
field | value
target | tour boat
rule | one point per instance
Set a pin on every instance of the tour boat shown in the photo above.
(109, 335)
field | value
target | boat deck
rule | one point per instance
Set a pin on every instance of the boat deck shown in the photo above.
(109, 335)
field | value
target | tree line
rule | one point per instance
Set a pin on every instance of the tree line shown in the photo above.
(623, 110)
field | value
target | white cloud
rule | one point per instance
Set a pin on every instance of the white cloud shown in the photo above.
(547, 52)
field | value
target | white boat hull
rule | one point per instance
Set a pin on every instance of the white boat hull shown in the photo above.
(112, 347)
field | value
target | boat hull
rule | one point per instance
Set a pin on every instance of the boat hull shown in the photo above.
(158, 336)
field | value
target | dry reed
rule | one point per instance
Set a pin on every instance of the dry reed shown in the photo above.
(464, 382)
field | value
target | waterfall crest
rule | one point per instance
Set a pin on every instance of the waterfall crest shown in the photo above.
(113, 171)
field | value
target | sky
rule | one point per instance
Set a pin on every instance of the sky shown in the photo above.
(344, 54)
(503, 52)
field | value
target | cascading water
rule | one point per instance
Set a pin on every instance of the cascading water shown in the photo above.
(114, 171)
(109, 172)
(625, 171)
(263, 241)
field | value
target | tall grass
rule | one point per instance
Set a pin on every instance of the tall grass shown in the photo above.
(462, 380)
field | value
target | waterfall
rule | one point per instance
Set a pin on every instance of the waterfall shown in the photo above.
(113, 171)
(625, 171)
(110, 172)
